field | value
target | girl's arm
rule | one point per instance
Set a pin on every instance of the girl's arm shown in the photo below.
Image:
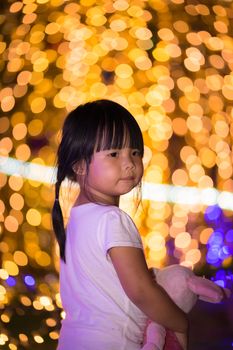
(143, 291)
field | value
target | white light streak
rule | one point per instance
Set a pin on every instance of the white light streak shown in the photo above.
(155, 192)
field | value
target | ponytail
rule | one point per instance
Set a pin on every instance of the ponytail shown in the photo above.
(58, 222)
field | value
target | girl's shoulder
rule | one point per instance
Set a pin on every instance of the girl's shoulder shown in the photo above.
(99, 218)
(116, 216)
(109, 212)
(95, 207)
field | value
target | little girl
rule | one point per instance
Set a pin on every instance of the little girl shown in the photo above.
(106, 288)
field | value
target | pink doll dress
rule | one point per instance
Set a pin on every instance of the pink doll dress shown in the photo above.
(171, 341)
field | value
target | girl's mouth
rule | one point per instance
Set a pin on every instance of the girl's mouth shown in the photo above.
(128, 178)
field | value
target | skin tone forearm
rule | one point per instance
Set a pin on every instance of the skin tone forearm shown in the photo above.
(144, 292)
(158, 306)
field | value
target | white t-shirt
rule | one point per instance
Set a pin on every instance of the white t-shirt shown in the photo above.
(99, 315)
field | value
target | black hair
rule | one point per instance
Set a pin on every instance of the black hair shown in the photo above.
(93, 126)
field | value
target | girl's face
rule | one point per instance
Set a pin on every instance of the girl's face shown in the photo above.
(112, 173)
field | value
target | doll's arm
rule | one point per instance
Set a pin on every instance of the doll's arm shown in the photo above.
(207, 290)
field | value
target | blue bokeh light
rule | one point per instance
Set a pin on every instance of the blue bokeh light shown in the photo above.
(216, 238)
(220, 283)
(229, 236)
(29, 280)
(11, 281)
(212, 255)
(223, 278)
(224, 252)
(220, 274)
(213, 213)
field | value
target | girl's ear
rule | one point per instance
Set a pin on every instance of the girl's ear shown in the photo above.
(80, 167)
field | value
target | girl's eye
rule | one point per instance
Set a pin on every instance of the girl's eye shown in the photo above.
(113, 154)
(136, 152)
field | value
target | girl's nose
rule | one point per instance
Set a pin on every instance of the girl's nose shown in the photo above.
(129, 163)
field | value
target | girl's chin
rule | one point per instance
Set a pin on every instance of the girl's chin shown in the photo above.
(126, 190)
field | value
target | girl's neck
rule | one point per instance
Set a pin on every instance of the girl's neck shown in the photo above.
(85, 198)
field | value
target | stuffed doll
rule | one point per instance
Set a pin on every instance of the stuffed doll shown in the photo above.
(184, 288)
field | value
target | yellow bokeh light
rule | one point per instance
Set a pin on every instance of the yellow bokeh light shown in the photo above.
(207, 156)
(3, 274)
(121, 5)
(11, 223)
(40, 64)
(214, 82)
(15, 65)
(3, 338)
(154, 174)
(98, 90)
(6, 146)
(4, 124)
(42, 258)
(7, 103)
(205, 182)
(16, 6)
(182, 240)
(161, 54)
(33, 217)
(23, 152)
(196, 171)
(155, 241)
(52, 28)
(157, 255)
(25, 300)
(38, 339)
(179, 126)
(16, 182)
(5, 318)
(143, 63)
(54, 335)
(19, 131)
(143, 33)
(20, 258)
(166, 34)
(205, 235)
(16, 201)
(38, 105)
(35, 127)
(181, 26)
(23, 338)
(118, 25)
(45, 301)
(180, 177)
(11, 268)
(193, 255)
(194, 123)
(124, 71)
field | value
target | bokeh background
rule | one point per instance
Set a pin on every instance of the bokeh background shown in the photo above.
(170, 63)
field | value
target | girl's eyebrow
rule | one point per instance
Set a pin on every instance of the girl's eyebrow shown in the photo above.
(105, 151)
(117, 149)
(122, 148)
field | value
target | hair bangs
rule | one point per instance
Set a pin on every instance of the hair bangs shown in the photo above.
(118, 133)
